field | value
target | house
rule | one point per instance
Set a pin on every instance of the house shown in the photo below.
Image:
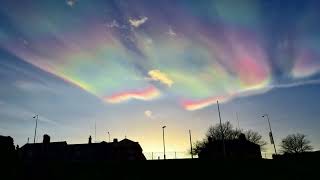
(127, 150)
(44, 151)
(122, 150)
(7, 149)
(234, 149)
(103, 151)
(304, 156)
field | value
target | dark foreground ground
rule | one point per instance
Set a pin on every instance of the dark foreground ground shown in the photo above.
(169, 169)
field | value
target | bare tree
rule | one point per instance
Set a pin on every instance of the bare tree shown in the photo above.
(198, 146)
(255, 137)
(295, 143)
(226, 129)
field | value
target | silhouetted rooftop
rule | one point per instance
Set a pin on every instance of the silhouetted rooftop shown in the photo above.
(116, 150)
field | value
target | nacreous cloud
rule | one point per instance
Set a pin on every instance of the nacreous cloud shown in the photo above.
(144, 94)
(157, 75)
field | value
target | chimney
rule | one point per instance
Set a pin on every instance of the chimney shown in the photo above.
(115, 140)
(46, 139)
(90, 139)
(242, 137)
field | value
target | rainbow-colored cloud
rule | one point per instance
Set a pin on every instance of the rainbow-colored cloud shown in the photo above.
(144, 94)
(192, 105)
(203, 51)
(157, 75)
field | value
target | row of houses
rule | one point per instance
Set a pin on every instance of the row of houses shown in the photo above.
(119, 150)
(127, 149)
(61, 151)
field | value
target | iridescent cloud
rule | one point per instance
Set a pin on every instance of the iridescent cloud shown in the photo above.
(157, 75)
(204, 51)
(192, 105)
(144, 94)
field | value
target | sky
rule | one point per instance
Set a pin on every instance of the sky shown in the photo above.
(132, 66)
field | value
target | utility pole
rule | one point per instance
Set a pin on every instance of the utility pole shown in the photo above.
(190, 144)
(222, 133)
(95, 131)
(28, 141)
(35, 129)
(164, 144)
(270, 133)
(238, 120)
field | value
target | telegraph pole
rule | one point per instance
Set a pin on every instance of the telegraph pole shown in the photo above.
(238, 120)
(95, 131)
(190, 144)
(222, 133)
(35, 129)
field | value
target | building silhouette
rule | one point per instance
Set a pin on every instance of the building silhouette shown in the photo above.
(44, 151)
(61, 151)
(7, 149)
(116, 150)
(239, 148)
(304, 156)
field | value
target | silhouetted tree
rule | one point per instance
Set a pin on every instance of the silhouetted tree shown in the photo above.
(295, 143)
(255, 137)
(198, 146)
(226, 129)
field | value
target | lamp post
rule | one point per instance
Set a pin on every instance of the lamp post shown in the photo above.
(109, 135)
(164, 144)
(270, 133)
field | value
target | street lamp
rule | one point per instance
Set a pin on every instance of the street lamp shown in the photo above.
(270, 133)
(109, 136)
(164, 145)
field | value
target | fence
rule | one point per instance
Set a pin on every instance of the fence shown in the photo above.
(266, 155)
(169, 155)
(185, 155)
